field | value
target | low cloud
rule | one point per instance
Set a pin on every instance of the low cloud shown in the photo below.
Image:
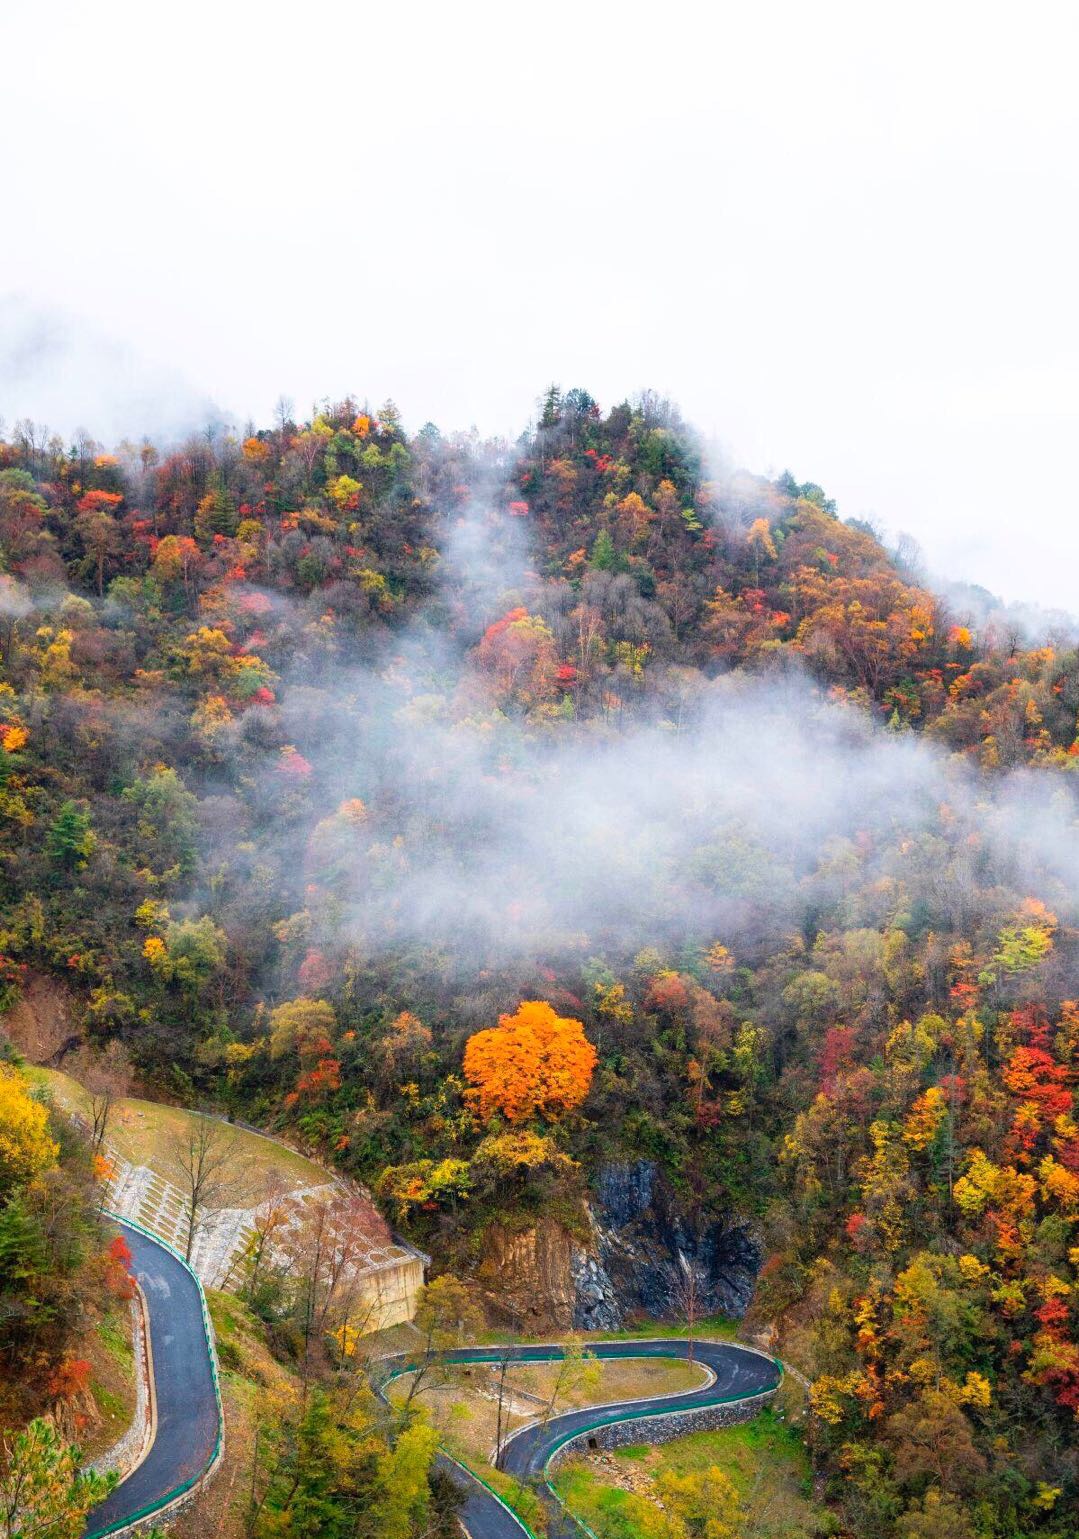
(58, 371)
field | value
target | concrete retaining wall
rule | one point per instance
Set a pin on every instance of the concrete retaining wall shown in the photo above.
(390, 1292)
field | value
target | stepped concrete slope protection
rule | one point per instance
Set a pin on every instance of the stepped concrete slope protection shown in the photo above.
(390, 1272)
(267, 1175)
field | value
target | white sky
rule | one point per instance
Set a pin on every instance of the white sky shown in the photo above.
(842, 236)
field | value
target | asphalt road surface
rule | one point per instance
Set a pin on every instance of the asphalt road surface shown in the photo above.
(738, 1372)
(187, 1415)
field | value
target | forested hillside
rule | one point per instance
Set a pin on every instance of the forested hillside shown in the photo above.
(479, 813)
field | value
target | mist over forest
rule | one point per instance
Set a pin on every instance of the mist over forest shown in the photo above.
(487, 818)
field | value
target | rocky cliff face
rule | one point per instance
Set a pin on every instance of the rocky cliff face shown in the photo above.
(646, 1255)
(642, 1251)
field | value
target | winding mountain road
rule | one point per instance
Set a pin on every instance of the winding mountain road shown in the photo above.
(188, 1413)
(189, 1426)
(737, 1373)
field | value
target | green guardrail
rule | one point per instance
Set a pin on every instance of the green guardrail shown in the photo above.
(182, 1489)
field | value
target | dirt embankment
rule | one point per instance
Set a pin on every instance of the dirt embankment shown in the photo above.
(44, 1022)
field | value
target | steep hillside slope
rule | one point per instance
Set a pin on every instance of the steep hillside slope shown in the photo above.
(497, 819)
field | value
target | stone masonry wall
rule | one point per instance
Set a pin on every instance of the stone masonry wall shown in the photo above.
(128, 1453)
(664, 1426)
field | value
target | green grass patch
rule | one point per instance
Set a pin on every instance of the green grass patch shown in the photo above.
(237, 1334)
(740, 1451)
(116, 1341)
(109, 1402)
(714, 1328)
(240, 1338)
(765, 1459)
(229, 1314)
(607, 1510)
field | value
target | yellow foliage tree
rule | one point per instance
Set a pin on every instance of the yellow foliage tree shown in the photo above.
(307, 1025)
(705, 1500)
(925, 1117)
(26, 1148)
(760, 540)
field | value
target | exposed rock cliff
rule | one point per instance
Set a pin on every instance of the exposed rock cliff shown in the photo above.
(644, 1247)
(641, 1251)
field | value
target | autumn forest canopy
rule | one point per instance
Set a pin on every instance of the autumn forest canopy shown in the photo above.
(481, 814)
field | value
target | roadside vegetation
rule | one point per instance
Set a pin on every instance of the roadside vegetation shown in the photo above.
(764, 1488)
(111, 1382)
(64, 1292)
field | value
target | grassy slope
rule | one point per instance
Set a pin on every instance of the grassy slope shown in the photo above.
(714, 1328)
(108, 1350)
(141, 1131)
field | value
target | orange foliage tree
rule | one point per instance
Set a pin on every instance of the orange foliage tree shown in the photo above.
(532, 1062)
